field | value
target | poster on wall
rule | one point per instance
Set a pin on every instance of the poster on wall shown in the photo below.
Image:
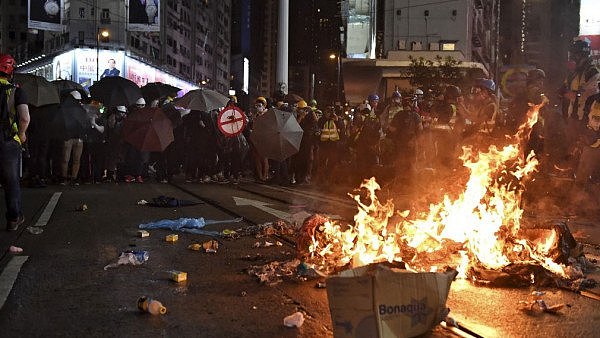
(110, 63)
(143, 15)
(45, 14)
(62, 66)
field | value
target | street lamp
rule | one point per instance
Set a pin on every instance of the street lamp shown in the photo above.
(100, 34)
(332, 56)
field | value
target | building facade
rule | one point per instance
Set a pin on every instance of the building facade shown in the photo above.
(193, 43)
(15, 38)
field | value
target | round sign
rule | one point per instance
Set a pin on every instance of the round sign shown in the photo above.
(231, 121)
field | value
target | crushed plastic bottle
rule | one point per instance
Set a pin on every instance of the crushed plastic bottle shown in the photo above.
(294, 320)
(147, 304)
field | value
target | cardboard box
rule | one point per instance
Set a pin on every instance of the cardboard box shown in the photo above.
(143, 233)
(379, 301)
(178, 276)
(172, 238)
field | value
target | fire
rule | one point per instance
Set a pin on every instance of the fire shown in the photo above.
(483, 222)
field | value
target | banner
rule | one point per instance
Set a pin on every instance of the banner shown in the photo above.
(143, 15)
(45, 14)
(142, 74)
(111, 63)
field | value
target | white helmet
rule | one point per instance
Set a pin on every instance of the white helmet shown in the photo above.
(122, 109)
(76, 95)
(418, 91)
(140, 102)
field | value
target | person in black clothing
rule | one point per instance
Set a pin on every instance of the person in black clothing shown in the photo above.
(364, 140)
(404, 131)
(303, 159)
(95, 148)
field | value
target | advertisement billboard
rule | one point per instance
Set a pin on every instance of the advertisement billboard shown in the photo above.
(110, 63)
(143, 15)
(142, 74)
(45, 14)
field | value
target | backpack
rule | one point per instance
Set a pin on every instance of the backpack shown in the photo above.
(7, 112)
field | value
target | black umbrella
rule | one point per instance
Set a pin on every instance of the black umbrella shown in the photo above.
(202, 100)
(115, 91)
(156, 90)
(276, 134)
(69, 120)
(39, 91)
(67, 86)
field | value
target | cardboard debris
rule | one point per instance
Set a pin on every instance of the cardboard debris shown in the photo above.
(378, 301)
(172, 238)
(178, 276)
(143, 233)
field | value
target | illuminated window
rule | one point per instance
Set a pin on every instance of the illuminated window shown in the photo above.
(448, 46)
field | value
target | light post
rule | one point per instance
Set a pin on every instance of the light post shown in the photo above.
(339, 70)
(104, 34)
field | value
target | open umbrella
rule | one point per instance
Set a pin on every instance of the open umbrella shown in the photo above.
(115, 91)
(156, 90)
(292, 98)
(276, 134)
(148, 129)
(39, 91)
(202, 99)
(67, 86)
(69, 120)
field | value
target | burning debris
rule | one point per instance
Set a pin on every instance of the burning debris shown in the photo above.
(478, 232)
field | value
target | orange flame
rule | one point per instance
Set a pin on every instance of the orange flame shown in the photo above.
(484, 219)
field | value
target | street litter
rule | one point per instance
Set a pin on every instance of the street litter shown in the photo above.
(172, 238)
(146, 304)
(130, 258)
(190, 225)
(15, 250)
(142, 202)
(321, 285)
(178, 276)
(537, 302)
(34, 230)
(385, 301)
(294, 320)
(82, 207)
(209, 246)
(266, 244)
(170, 202)
(274, 272)
(279, 227)
(143, 233)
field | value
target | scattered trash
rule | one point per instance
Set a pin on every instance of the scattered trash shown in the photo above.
(321, 285)
(538, 303)
(170, 202)
(130, 258)
(178, 276)
(195, 246)
(278, 243)
(15, 250)
(34, 230)
(254, 308)
(172, 238)
(371, 294)
(142, 202)
(294, 320)
(210, 246)
(309, 271)
(268, 244)
(273, 273)
(143, 233)
(261, 230)
(82, 207)
(146, 304)
(228, 233)
(256, 245)
(191, 225)
(244, 294)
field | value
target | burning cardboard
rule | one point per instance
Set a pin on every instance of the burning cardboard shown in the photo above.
(379, 301)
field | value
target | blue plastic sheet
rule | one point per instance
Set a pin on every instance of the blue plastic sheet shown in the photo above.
(190, 225)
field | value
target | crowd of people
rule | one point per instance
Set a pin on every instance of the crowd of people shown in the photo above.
(391, 139)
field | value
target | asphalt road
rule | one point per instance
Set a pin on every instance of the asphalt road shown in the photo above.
(62, 289)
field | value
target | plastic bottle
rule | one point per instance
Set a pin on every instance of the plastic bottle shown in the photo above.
(146, 304)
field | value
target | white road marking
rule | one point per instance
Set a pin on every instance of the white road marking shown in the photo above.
(309, 195)
(47, 213)
(9, 275)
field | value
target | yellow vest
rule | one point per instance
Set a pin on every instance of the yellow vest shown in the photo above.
(12, 110)
(330, 131)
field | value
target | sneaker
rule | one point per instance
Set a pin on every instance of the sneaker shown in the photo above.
(14, 225)
(75, 183)
(129, 178)
(139, 179)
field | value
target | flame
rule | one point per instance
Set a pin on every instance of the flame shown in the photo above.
(483, 220)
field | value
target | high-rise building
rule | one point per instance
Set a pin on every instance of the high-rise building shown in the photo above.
(192, 43)
(382, 36)
(15, 38)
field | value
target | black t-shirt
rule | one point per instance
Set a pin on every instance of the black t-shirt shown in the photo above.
(20, 97)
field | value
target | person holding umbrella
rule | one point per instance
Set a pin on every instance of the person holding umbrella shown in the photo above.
(135, 159)
(14, 120)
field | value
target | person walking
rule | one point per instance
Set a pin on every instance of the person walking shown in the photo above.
(14, 120)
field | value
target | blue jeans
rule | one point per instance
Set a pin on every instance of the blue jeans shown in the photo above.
(10, 160)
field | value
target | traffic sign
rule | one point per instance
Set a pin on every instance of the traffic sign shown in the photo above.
(231, 121)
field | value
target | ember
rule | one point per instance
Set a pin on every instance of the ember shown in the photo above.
(477, 232)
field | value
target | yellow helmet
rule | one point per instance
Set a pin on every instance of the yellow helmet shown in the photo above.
(262, 100)
(302, 104)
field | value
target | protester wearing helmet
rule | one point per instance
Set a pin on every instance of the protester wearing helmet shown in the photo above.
(363, 141)
(588, 168)
(14, 120)
(447, 124)
(393, 108)
(580, 84)
(481, 109)
(373, 101)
